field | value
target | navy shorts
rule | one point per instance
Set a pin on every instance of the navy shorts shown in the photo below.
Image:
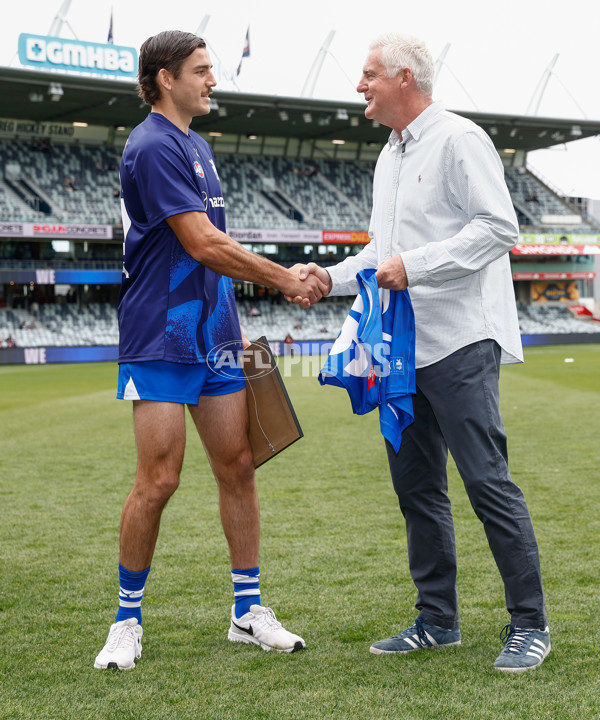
(175, 382)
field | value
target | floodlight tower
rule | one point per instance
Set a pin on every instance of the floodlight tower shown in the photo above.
(202, 26)
(543, 84)
(218, 64)
(60, 20)
(541, 87)
(440, 61)
(311, 79)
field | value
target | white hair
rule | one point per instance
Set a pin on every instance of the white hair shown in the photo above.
(404, 51)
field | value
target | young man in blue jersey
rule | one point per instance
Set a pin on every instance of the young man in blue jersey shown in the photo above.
(176, 306)
(442, 226)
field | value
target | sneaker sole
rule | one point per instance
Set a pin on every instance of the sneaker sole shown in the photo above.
(250, 640)
(379, 651)
(113, 666)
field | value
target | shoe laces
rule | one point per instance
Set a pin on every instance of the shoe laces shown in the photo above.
(121, 636)
(268, 617)
(417, 627)
(514, 640)
(421, 631)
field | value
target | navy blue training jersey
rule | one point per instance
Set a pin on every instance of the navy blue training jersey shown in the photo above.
(171, 307)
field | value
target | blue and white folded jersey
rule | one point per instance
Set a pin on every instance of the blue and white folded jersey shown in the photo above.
(373, 357)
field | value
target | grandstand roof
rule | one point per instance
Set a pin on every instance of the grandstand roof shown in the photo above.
(113, 103)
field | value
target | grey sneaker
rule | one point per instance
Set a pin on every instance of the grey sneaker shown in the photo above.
(523, 649)
(259, 626)
(123, 646)
(419, 636)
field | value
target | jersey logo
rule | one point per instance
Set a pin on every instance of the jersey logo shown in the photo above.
(198, 169)
(397, 365)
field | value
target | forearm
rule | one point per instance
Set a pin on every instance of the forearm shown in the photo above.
(227, 257)
(477, 245)
(343, 275)
(217, 251)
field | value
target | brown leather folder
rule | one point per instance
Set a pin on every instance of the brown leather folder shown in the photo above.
(273, 422)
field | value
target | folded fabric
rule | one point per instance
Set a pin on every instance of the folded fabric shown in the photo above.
(373, 357)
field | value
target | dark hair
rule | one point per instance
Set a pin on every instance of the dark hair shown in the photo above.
(168, 50)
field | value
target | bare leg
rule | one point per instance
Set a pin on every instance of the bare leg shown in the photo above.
(160, 438)
(222, 423)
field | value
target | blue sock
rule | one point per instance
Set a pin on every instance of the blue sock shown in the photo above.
(246, 589)
(131, 592)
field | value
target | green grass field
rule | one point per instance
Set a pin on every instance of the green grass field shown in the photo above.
(333, 562)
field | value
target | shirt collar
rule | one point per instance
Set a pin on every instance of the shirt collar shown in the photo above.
(416, 127)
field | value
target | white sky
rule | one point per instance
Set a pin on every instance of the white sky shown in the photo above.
(497, 56)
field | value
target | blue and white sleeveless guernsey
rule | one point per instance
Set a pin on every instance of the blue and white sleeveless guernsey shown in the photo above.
(373, 357)
(171, 307)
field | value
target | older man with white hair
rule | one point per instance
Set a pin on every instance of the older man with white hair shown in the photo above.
(442, 226)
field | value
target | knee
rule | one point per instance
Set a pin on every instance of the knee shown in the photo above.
(157, 489)
(236, 470)
(407, 491)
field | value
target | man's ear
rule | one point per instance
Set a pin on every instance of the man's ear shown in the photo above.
(406, 77)
(164, 79)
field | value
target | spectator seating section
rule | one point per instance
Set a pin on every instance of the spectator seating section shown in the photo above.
(533, 200)
(79, 183)
(63, 325)
(552, 320)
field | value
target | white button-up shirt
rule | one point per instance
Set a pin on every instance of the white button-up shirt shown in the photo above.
(440, 201)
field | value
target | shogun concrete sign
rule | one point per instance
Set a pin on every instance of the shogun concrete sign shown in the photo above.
(52, 53)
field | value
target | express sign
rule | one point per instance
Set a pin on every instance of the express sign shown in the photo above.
(61, 54)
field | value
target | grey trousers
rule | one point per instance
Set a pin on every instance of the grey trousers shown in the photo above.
(457, 408)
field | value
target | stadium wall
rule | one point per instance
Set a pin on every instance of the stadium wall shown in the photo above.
(566, 339)
(296, 350)
(48, 355)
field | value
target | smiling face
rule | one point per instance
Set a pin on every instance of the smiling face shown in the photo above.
(190, 91)
(381, 92)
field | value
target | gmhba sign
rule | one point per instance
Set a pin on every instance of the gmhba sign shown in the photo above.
(52, 53)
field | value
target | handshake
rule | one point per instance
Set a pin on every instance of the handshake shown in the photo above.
(308, 284)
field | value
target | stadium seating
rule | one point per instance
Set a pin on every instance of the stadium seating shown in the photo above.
(55, 182)
(68, 325)
(552, 320)
(77, 183)
(59, 183)
(535, 201)
(63, 325)
(276, 321)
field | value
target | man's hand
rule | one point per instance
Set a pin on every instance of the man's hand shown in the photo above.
(310, 273)
(391, 274)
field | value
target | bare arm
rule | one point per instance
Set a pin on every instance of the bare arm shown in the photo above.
(215, 249)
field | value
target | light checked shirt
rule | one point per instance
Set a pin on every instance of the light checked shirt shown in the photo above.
(440, 201)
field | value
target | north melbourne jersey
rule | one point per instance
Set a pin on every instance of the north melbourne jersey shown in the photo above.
(171, 307)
